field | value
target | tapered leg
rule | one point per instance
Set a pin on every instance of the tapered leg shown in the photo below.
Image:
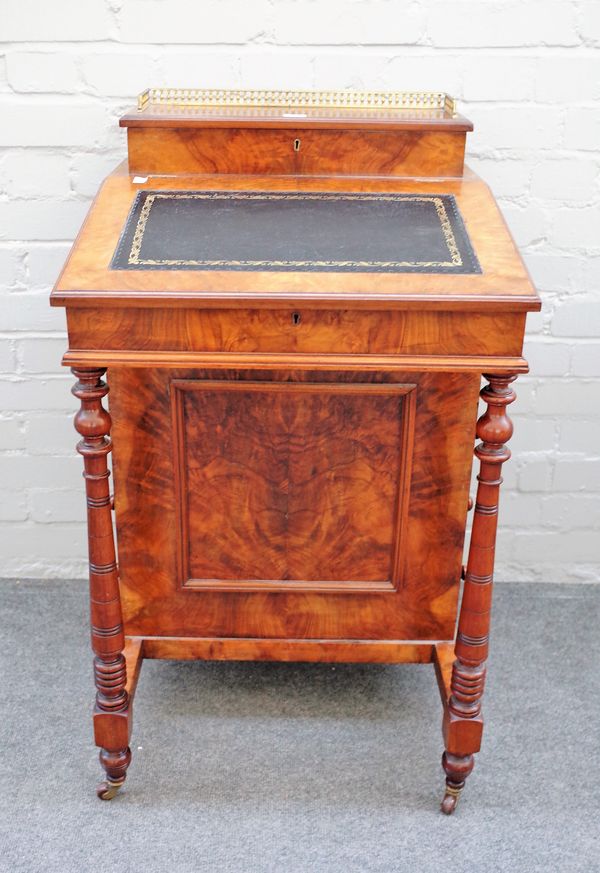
(112, 713)
(463, 724)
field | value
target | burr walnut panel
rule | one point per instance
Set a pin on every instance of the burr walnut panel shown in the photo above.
(310, 477)
(342, 331)
(147, 503)
(296, 152)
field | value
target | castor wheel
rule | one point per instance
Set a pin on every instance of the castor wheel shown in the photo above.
(115, 765)
(108, 790)
(456, 768)
(450, 801)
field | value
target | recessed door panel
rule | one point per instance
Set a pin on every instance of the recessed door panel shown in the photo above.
(291, 485)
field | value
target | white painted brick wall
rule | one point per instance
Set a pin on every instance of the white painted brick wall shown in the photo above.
(528, 74)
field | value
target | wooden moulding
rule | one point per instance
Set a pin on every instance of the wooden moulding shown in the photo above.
(297, 152)
(358, 363)
(377, 460)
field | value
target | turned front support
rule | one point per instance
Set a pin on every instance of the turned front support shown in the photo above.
(112, 722)
(463, 723)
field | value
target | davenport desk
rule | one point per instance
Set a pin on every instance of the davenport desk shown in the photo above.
(295, 296)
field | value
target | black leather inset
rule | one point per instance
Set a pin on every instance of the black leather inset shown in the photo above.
(295, 230)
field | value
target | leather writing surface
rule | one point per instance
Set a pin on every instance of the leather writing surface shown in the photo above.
(295, 231)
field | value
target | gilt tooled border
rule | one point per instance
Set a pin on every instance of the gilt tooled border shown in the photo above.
(134, 258)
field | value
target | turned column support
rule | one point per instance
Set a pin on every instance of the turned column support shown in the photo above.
(112, 710)
(463, 724)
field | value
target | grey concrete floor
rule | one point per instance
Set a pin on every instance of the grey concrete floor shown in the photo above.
(253, 768)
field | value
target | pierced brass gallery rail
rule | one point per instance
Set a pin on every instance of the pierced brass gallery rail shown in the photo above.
(315, 99)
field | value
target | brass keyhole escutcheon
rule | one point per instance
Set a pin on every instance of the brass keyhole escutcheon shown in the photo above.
(296, 145)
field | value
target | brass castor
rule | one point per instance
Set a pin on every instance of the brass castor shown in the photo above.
(450, 801)
(107, 790)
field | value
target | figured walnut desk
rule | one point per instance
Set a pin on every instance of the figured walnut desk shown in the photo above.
(295, 307)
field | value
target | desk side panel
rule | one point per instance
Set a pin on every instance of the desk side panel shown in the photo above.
(421, 606)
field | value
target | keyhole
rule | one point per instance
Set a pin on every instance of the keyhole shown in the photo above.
(296, 145)
(296, 318)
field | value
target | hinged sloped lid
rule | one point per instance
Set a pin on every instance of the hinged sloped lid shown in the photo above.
(503, 283)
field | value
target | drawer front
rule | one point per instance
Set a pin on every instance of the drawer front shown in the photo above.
(296, 152)
(297, 331)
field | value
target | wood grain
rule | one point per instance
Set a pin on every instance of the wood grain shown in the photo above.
(293, 362)
(146, 510)
(504, 283)
(311, 477)
(443, 659)
(134, 656)
(301, 331)
(245, 649)
(295, 151)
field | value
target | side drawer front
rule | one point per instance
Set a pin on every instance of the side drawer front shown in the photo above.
(305, 331)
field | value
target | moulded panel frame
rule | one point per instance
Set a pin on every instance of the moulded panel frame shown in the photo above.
(407, 407)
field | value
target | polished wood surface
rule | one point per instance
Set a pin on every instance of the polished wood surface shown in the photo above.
(443, 656)
(133, 652)
(293, 450)
(320, 469)
(422, 606)
(112, 723)
(302, 331)
(504, 284)
(244, 649)
(295, 152)
(463, 724)
(293, 362)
